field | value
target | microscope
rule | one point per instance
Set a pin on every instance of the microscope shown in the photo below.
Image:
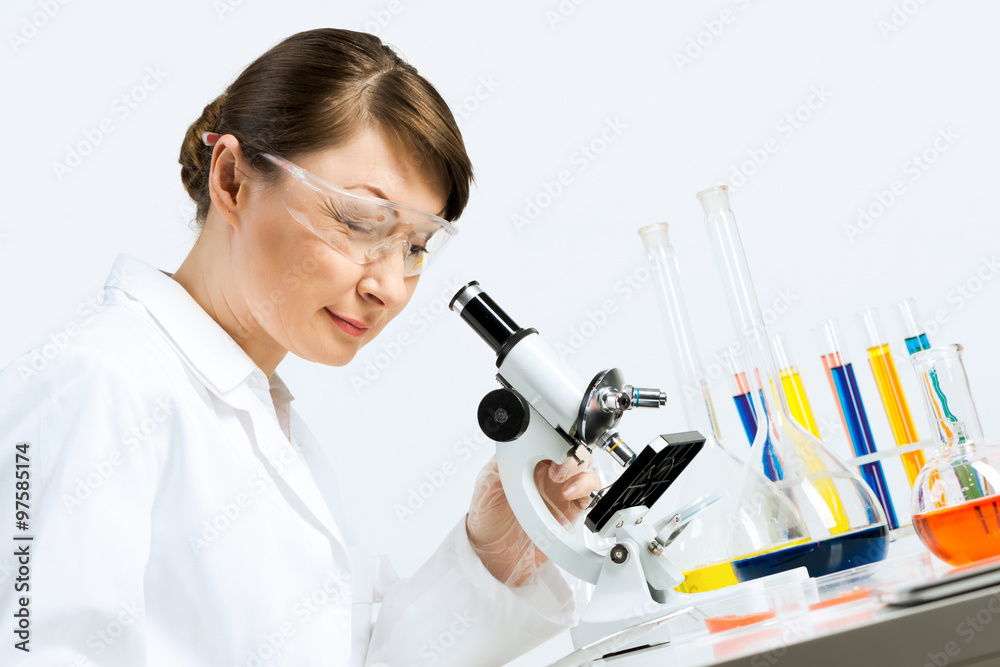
(544, 411)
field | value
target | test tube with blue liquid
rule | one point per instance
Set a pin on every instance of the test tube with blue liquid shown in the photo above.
(748, 417)
(844, 385)
(916, 337)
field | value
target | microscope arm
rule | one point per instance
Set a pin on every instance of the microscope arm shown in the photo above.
(516, 461)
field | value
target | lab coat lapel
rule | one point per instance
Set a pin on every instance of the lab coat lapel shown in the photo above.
(361, 561)
(227, 371)
(290, 471)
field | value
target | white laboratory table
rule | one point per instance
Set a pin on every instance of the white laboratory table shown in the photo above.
(960, 631)
(963, 631)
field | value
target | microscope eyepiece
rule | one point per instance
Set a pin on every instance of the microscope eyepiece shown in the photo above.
(464, 295)
(488, 319)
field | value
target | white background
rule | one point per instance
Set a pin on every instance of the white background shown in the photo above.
(694, 100)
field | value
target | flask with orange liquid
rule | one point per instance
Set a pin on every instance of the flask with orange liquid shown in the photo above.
(956, 496)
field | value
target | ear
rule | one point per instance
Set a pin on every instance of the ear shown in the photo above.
(227, 178)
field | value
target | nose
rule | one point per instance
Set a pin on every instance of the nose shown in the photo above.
(382, 281)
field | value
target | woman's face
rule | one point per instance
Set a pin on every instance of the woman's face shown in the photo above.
(301, 293)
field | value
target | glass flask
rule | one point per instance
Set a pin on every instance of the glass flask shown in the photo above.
(844, 523)
(956, 497)
(700, 552)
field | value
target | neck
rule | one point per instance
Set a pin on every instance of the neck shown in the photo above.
(208, 277)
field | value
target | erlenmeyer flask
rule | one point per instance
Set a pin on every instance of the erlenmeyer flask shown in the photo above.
(956, 496)
(700, 552)
(845, 524)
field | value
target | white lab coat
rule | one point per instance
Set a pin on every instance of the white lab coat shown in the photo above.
(182, 514)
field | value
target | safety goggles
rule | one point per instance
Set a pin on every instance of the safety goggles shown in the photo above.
(363, 229)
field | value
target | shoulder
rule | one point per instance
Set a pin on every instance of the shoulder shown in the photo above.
(81, 396)
(121, 337)
(115, 357)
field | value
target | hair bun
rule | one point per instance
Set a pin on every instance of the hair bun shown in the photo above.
(195, 156)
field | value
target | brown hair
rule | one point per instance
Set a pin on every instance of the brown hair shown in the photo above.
(315, 90)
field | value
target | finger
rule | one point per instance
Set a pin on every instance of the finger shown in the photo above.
(580, 486)
(563, 471)
(543, 472)
(574, 474)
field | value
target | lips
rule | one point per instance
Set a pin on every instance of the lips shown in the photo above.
(348, 326)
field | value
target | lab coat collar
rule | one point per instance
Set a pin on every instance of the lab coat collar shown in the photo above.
(211, 351)
(222, 364)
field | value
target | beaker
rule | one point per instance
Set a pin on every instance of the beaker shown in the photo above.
(846, 526)
(700, 552)
(956, 497)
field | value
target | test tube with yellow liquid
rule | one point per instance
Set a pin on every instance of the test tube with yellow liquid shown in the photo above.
(891, 391)
(791, 382)
(798, 405)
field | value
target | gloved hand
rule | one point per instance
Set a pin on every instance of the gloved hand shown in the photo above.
(494, 532)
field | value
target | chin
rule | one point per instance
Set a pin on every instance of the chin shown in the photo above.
(341, 356)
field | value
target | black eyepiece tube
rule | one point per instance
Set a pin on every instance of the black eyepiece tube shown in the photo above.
(480, 311)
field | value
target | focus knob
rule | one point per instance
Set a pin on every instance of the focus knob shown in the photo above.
(503, 415)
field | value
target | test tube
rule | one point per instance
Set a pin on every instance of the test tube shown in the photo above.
(744, 407)
(791, 382)
(798, 405)
(891, 391)
(844, 385)
(916, 341)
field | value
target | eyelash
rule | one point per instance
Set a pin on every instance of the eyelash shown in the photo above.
(332, 211)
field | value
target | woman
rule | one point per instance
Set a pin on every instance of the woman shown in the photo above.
(181, 513)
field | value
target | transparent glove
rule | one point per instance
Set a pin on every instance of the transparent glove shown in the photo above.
(494, 532)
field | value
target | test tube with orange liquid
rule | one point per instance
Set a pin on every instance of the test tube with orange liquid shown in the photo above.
(891, 391)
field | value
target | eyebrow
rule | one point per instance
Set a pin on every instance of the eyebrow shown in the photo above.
(370, 188)
(381, 195)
